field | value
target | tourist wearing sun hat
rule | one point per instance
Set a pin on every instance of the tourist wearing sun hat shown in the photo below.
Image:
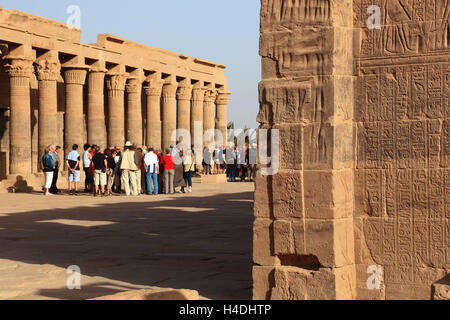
(129, 166)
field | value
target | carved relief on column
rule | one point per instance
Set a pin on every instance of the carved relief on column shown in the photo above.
(184, 95)
(75, 78)
(168, 114)
(115, 84)
(96, 127)
(134, 109)
(153, 91)
(48, 68)
(198, 98)
(209, 116)
(223, 98)
(48, 71)
(20, 71)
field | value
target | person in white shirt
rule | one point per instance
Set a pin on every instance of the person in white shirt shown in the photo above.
(152, 168)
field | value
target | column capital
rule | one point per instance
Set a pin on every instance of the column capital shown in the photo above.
(184, 92)
(223, 97)
(169, 91)
(116, 81)
(75, 75)
(17, 67)
(134, 85)
(48, 68)
(198, 94)
(154, 87)
(210, 95)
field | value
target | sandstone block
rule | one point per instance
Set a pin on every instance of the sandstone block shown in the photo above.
(263, 243)
(280, 195)
(331, 241)
(441, 289)
(293, 283)
(263, 282)
(328, 194)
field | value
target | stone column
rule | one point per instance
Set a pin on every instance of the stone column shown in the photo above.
(209, 116)
(20, 70)
(184, 95)
(168, 114)
(222, 101)
(48, 70)
(134, 111)
(96, 127)
(153, 92)
(303, 245)
(115, 84)
(198, 98)
(75, 78)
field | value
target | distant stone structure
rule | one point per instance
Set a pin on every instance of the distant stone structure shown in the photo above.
(57, 90)
(360, 208)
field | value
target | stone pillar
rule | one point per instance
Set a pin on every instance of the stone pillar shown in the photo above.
(198, 98)
(303, 231)
(168, 114)
(96, 127)
(134, 110)
(153, 92)
(75, 78)
(48, 70)
(20, 70)
(115, 84)
(222, 101)
(184, 95)
(209, 116)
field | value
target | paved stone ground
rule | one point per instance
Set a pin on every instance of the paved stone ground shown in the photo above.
(200, 241)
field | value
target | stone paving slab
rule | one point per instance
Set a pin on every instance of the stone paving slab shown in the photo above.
(199, 241)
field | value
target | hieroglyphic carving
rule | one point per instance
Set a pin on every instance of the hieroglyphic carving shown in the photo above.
(284, 104)
(408, 27)
(276, 13)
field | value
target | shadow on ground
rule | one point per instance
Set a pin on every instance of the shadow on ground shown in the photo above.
(200, 243)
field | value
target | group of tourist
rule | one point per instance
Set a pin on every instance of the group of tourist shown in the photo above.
(136, 170)
(234, 161)
(139, 170)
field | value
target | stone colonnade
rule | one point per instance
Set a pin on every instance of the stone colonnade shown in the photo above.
(171, 103)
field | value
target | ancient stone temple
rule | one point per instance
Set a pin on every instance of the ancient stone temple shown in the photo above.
(56, 90)
(360, 208)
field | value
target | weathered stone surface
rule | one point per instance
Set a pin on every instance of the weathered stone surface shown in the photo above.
(307, 94)
(441, 289)
(279, 196)
(366, 111)
(293, 283)
(263, 282)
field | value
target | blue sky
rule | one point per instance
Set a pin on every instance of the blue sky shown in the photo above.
(217, 30)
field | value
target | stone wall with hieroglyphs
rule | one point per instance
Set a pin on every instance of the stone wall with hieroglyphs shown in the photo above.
(402, 176)
(364, 125)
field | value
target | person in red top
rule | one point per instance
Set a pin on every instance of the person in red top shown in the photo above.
(91, 166)
(169, 172)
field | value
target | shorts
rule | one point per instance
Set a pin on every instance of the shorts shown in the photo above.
(74, 176)
(48, 179)
(99, 178)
